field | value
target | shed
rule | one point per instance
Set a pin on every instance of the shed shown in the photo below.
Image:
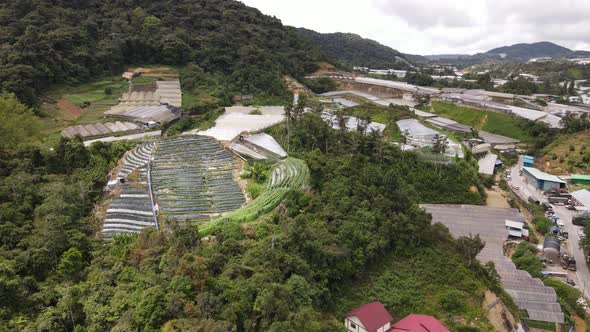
(551, 248)
(542, 180)
(528, 161)
(581, 179)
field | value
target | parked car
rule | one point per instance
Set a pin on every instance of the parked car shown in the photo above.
(570, 207)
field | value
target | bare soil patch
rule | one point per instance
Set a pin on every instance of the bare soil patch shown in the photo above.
(71, 111)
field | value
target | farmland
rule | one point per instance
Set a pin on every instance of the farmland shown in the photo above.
(288, 174)
(192, 179)
(495, 123)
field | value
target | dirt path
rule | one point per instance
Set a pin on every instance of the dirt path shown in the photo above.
(71, 111)
(496, 199)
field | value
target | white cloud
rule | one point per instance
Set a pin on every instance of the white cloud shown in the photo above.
(442, 26)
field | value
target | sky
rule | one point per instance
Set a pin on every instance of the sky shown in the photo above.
(441, 26)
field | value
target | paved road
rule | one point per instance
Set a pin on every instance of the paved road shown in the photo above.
(526, 190)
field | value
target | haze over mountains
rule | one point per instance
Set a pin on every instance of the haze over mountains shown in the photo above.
(358, 51)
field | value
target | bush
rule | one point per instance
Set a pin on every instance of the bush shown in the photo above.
(525, 258)
(108, 91)
(451, 301)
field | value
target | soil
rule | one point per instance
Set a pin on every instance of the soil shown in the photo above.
(580, 324)
(72, 111)
(496, 199)
(497, 313)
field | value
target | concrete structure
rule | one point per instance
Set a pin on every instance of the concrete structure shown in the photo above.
(581, 198)
(542, 180)
(580, 179)
(529, 294)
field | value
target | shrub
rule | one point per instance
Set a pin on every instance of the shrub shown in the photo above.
(451, 301)
(108, 91)
(572, 148)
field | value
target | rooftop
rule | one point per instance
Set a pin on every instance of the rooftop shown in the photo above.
(372, 315)
(418, 323)
(582, 196)
(580, 177)
(540, 175)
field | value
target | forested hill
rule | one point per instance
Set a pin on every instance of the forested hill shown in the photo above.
(528, 51)
(45, 42)
(357, 51)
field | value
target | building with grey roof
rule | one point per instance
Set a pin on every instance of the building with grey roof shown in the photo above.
(91, 131)
(530, 294)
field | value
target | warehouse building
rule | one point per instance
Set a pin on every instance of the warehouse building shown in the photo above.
(542, 180)
(580, 179)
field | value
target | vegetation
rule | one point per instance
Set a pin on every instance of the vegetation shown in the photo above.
(559, 158)
(525, 258)
(497, 123)
(320, 85)
(78, 41)
(381, 114)
(357, 51)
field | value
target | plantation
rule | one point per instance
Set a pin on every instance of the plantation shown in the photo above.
(192, 179)
(131, 210)
(495, 123)
(289, 174)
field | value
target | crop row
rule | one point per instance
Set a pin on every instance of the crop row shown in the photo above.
(287, 175)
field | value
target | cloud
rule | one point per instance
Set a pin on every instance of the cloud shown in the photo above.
(442, 26)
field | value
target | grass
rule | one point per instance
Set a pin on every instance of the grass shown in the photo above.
(569, 154)
(93, 92)
(495, 123)
(385, 115)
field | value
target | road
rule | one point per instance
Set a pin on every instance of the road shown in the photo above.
(525, 190)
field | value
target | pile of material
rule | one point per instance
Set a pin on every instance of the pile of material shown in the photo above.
(99, 129)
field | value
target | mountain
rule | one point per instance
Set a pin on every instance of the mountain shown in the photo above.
(46, 42)
(357, 51)
(524, 51)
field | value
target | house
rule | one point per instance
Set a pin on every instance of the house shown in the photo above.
(418, 323)
(372, 317)
(528, 161)
(542, 180)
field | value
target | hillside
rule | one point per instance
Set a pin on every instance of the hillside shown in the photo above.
(524, 51)
(44, 42)
(569, 154)
(356, 50)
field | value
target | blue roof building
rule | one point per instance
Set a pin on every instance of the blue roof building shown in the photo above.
(542, 180)
(528, 161)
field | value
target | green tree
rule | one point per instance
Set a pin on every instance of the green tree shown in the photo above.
(71, 264)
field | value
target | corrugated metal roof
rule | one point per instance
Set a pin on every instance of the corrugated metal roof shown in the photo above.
(540, 175)
(582, 196)
(580, 177)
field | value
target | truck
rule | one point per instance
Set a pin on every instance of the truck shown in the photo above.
(568, 262)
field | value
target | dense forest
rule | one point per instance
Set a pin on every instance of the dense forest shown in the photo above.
(357, 51)
(45, 42)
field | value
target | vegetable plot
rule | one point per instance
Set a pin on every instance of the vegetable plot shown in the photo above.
(288, 174)
(192, 179)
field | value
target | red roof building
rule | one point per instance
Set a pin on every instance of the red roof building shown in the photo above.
(372, 317)
(418, 323)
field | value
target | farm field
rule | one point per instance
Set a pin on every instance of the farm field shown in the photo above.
(495, 123)
(192, 179)
(288, 174)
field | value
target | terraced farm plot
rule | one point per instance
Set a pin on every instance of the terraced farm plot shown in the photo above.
(131, 211)
(192, 179)
(288, 174)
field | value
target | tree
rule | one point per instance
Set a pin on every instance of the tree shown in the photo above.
(440, 144)
(571, 89)
(71, 264)
(470, 246)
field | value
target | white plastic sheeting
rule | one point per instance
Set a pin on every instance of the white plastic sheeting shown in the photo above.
(267, 142)
(237, 120)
